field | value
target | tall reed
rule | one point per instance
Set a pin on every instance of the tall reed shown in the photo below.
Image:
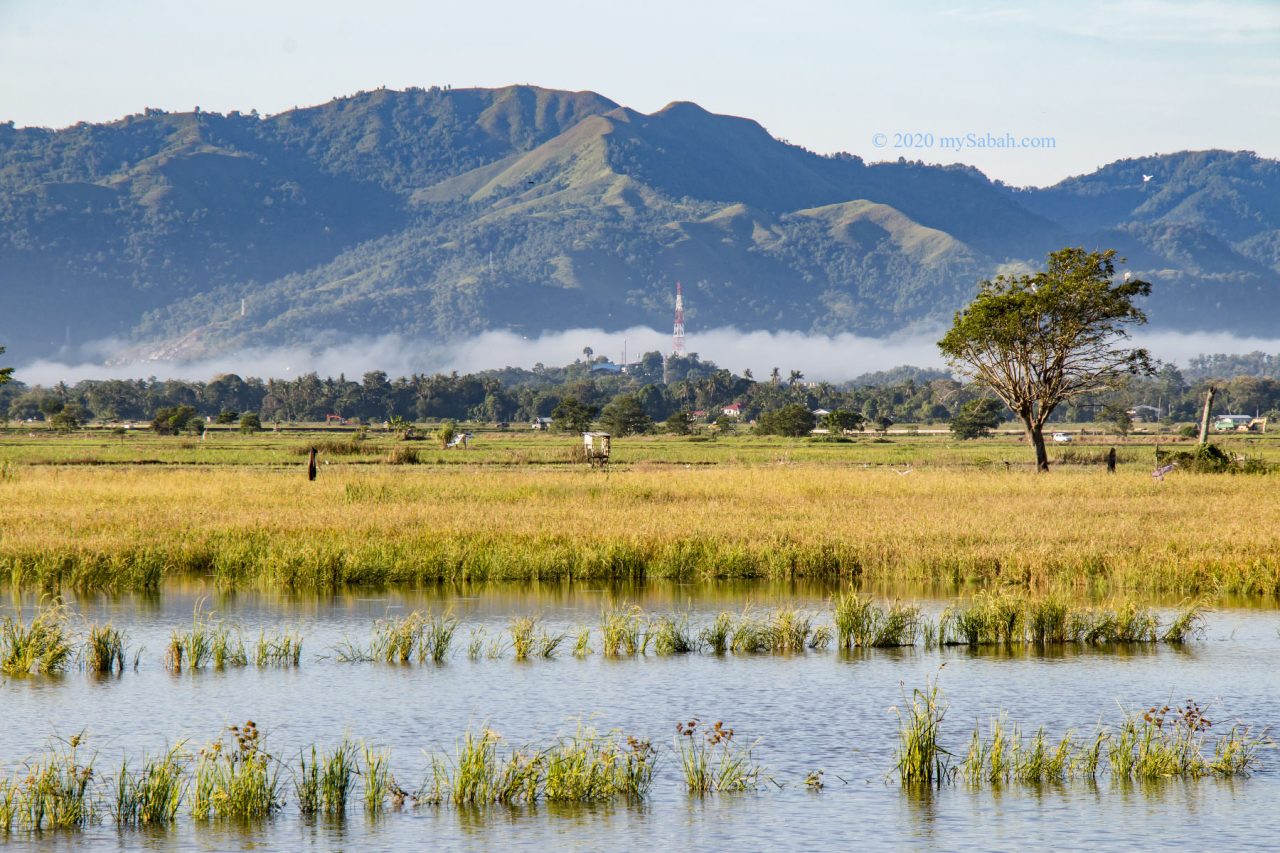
(437, 637)
(42, 645)
(236, 777)
(324, 783)
(283, 649)
(671, 635)
(379, 785)
(522, 636)
(55, 791)
(104, 650)
(711, 761)
(589, 767)
(921, 760)
(622, 630)
(153, 795)
(862, 623)
(211, 641)
(396, 637)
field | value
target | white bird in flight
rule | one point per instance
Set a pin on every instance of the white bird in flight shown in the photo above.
(1147, 178)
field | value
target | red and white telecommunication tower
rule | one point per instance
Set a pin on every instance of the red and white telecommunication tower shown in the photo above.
(677, 335)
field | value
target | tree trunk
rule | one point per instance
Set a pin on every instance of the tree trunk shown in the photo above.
(1036, 433)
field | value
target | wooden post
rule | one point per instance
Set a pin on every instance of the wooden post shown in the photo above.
(1204, 417)
(311, 465)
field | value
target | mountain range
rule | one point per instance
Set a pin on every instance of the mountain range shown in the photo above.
(438, 213)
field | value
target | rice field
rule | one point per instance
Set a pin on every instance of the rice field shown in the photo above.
(1077, 529)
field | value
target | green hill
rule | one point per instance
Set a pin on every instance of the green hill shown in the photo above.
(444, 212)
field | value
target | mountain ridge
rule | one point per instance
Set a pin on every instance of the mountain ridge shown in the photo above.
(445, 212)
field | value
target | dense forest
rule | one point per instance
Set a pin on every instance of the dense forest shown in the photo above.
(685, 391)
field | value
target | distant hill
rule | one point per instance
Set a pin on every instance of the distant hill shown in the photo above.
(444, 212)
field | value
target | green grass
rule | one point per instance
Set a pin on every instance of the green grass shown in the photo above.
(671, 635)
(104, 650)
(379, 785)
(712, 762)
(1160, 743)
(282, 649)
(623, 630)
(152, 795)
(523, 641)
(54, 791)
(209, 642)
(991, 618)
(236, 778)
(324, 780)
(920, 760)
(588, 767)
(437, 637)
(861, 623)
(42, 645)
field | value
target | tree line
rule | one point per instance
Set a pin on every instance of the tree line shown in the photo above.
(677, 392)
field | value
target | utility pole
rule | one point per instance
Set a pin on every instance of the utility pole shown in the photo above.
(1204, 417)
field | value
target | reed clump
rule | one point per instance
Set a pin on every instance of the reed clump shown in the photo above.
(584, 767)
(717, 635)
(479, 775)
(324, 781)
(588, 767)
(54, 791)
(104, 650)
(671, 635)
(236, 778)
(623, 630)
(523, 640)
(437, 637)
(861, 623)
(42, 646)
(1161, 742)
(395, 638)
(920, 760)
(379, 785)
(711, 761)
(152, 795)
(283, 649)
(209, 642)
(1005, 618)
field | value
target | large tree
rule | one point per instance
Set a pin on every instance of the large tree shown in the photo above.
(1039, 340)
(6, 373)
(573, 416)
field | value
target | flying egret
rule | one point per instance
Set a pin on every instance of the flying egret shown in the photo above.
(1147, 178)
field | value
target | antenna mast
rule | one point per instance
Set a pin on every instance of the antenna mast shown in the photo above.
(677, 335)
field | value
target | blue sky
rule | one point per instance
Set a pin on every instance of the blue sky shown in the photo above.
(1104, 79)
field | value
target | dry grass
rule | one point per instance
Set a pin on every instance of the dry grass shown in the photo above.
(113, 528)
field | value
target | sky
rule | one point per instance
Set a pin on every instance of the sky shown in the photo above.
(1073, 85)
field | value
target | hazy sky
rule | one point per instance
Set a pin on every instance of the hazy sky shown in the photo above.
(1104, 79)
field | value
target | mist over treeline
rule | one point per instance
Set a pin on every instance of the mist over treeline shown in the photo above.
(662, 387)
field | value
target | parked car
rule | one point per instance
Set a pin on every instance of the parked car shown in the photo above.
(1062, 437)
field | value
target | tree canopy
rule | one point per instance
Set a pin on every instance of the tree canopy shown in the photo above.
(1041, 339)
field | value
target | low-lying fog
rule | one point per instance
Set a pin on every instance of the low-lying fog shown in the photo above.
(819, 357)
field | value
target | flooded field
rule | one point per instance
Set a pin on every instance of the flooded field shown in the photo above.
(825, 709)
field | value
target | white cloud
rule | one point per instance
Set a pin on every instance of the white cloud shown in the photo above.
(833, 358)
(1223, 22)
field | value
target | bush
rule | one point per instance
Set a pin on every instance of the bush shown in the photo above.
(175, 419)
(250, 423)
(792, 419)
(977, 418)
